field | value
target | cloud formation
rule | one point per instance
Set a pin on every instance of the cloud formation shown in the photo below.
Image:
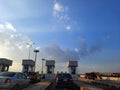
(95, 48)
(82, 47)
(7, 26)
(62, 17)
(12, 45)
(58, 7)
(60, 13)
(55, 52)
(68, 27)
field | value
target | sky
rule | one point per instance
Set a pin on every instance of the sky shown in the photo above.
(84, 30)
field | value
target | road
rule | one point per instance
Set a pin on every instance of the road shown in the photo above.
(38, 86)
(76, 86)
(86, 86)
(73, 87)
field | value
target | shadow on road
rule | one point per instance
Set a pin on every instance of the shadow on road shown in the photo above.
(53, 87)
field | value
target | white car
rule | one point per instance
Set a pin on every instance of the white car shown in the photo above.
(13, 80)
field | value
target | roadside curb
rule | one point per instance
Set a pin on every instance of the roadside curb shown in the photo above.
(105, 84)
(100, 83)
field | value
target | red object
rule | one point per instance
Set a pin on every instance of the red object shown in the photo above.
(71, 78)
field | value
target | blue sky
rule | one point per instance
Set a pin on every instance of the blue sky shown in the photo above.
(83, 30)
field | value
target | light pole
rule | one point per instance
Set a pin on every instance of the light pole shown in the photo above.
(36, 51)
(30, 46)
(42, 65)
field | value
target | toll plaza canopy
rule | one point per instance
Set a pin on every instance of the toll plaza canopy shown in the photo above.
(28, 62)
(50, 63)
(5, 61)
(72, 63)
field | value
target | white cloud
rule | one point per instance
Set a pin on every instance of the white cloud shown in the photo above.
(60, 12)
(61, 15)
(68, 27)
(76, 50)
(13, 46)
(15, 51)
(58, 7)
(10, 26)
(1, 26)
(7, 26)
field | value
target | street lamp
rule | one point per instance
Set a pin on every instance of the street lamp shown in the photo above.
(36, 51)
(30, 46)
(42, 65)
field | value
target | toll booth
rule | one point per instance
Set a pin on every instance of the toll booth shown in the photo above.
(72, 67)
(50, 65)
(4, 64)
(28, 65)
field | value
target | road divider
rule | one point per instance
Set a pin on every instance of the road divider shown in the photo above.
(95, 82)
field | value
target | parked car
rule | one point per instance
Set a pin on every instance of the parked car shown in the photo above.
(13, 80)
(34, 76)
(63, 80)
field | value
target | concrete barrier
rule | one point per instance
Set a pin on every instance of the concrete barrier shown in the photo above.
(107, 83)
(111, 78)
(86, 86)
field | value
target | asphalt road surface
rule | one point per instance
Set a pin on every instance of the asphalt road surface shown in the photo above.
(43, 85)
(38, 86)
(73, 87)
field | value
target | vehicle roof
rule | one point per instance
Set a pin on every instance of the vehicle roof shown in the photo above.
(63, 73)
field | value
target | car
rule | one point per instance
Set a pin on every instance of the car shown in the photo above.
(42, 76)
(63, 80)
(34, 76)
(13, 80)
